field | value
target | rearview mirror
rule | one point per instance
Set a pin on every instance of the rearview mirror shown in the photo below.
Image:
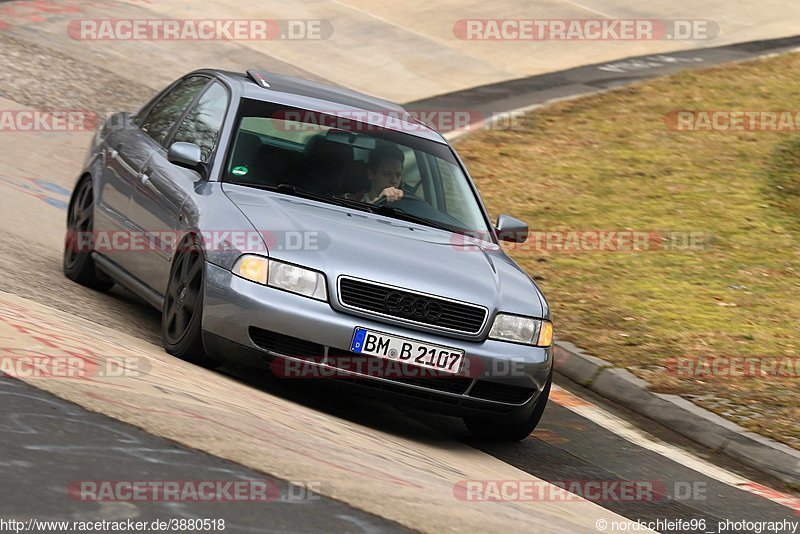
(186, 155)
(511, 229)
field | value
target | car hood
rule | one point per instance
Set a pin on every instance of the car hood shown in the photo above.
(341, 241)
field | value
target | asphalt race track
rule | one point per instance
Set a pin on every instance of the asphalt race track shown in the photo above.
(335, 460)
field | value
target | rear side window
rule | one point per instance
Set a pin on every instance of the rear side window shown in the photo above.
(166, 112)
(202, 124)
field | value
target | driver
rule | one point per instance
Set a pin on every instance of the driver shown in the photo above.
(385, 172)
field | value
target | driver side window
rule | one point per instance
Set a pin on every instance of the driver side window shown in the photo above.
(166, 112)
(202, 124)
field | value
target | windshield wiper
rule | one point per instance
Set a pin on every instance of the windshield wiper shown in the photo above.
(357, 204)
(284, 188)
(300, 192)
(402, 214)
(397, 213)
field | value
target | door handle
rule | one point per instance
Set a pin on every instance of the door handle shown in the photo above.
(144, 179)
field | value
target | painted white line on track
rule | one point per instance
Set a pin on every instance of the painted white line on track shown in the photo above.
(589, 9)
(638, 437)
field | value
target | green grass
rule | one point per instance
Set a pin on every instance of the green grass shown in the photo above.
(609, 162)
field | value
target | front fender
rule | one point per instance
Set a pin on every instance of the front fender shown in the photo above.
(224, 231)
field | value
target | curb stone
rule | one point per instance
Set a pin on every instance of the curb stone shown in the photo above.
(678, 414)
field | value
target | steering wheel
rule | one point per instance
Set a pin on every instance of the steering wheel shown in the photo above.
(406, 196)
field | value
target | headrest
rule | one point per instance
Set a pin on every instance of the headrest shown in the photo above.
(355, 178)
(323, 151)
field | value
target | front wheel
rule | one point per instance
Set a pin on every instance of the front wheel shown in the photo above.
(496, 429)
(182, 315)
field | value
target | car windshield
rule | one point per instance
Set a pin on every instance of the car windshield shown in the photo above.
(346, 162)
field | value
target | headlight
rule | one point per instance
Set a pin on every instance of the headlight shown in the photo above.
(518, 329)
(297, 280)
(282, 276)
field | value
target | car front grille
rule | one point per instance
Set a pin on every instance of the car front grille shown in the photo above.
(411, 307)
(433, 381)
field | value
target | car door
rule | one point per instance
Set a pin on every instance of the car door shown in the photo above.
(164, 187)
(152, 129)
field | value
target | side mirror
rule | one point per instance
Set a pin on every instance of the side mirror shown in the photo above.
(186, 155)
(511, 229)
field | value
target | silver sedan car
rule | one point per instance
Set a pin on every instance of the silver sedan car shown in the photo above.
(317, 233)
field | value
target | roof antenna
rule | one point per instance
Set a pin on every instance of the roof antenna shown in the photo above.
(258, 78)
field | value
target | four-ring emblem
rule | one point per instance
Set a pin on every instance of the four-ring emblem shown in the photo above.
(412, 307)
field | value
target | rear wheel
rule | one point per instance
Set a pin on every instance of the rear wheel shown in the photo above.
(182, 315)
(496, 429)
(79, 242)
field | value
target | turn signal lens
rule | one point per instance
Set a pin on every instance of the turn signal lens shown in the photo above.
(253, 268)
(545, 334)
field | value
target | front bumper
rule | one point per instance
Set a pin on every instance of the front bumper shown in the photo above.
(500, 377)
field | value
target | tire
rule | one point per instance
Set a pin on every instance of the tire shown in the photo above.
(78, 243)
(182, 314)
(494, 429)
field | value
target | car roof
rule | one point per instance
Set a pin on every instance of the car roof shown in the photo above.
(324, 98)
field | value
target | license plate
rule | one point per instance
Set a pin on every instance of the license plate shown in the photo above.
(404, 350)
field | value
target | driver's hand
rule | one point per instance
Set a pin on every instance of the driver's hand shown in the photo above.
(391, 194)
